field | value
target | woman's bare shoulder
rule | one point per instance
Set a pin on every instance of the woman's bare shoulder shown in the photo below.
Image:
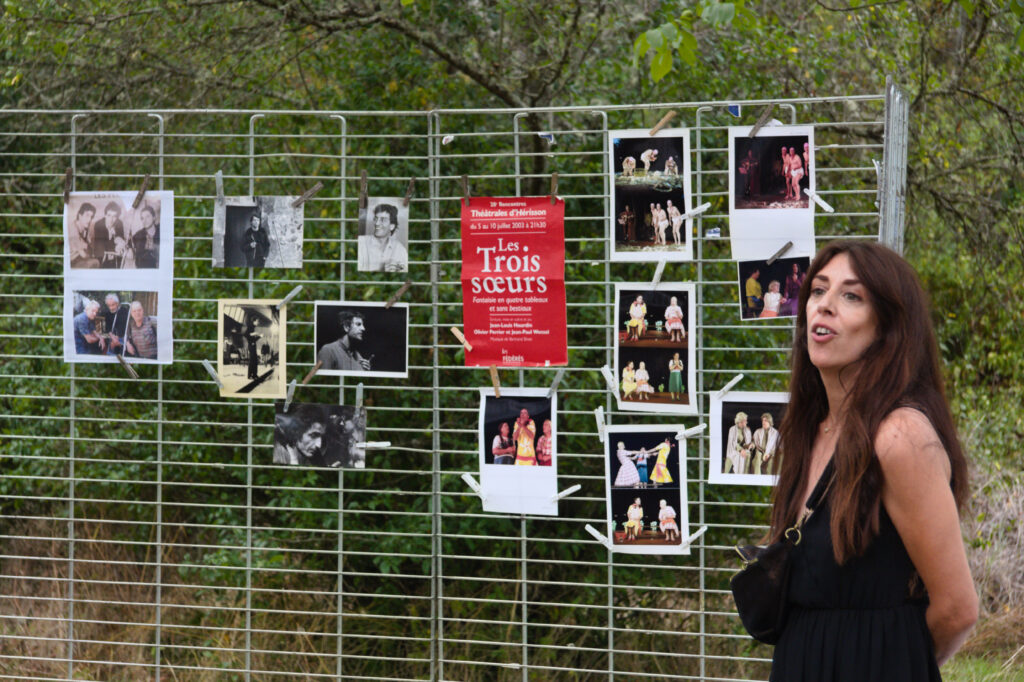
(906, 441)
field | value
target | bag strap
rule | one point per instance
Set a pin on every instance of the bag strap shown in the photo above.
(824, 483)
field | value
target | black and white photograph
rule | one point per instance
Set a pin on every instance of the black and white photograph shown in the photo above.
(768, 176)
(654, 351)
(384, 235)
(745, 439)
(257, 232)
(645, 488)
(318, 435)
(518, 451)
(769, 291)
(251, 362)
(362, 339)
(651, 188)
(103, 232)
(109, 323)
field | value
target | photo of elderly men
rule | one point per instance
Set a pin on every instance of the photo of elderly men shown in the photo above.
(115, 323)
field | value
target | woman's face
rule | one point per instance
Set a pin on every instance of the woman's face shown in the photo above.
(642, 365)
(547, 429)
(309, 443)
(841, 320)
(672, 301)
(675, 356)
(503, 429)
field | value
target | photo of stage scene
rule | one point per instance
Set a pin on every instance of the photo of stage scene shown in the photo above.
(260, 232)
(771, 171)
(383, 243)
(518, 430)
(745, 438)
(362, 339)
(115, 323)
(317, 435)
(251, 362)
(654, 359)
(103, 231)
(646, 489)
(768, 291)
(651, 181)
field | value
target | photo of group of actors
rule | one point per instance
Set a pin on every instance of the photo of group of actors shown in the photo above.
(651, 186)
(653, 353)
(384, 235)
(251, 361)
(318, 435)
(362, 339)
(768, 291)
(523, 431)
(115, 323)
(258, 232)
(771, 172)
(106, 232)
(646, 488)
(745, 438)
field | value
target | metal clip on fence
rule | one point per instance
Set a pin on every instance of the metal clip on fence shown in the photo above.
(307, 195)
(725, 389)
(471, 482)
(778, 254)
(287, 299)
(142, 191)
(819, 201)
(213, 373)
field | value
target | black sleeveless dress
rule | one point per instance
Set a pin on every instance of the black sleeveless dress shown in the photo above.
(853, 623)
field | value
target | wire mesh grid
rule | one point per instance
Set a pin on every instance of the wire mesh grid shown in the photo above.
(148, 535)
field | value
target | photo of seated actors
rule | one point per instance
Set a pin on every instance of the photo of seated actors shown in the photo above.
(653, 353)
(518, 431)
(384, 235)
(745, 441)
(651, 184)
(768, 291)
(251, 361)
(645, 485)
(115, 323)
(104, 232)
(317, 435)
(260, 232)
(362, 339)
(771, 171)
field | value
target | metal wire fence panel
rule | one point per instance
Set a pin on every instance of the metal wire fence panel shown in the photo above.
(146, 532)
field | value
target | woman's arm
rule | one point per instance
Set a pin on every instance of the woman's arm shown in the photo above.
(917, 495)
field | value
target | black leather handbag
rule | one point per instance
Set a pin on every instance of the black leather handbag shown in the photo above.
(761, 587)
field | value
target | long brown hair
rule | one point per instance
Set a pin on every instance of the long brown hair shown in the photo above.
(900, 368)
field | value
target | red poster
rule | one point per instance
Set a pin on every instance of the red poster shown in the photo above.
(513, 281)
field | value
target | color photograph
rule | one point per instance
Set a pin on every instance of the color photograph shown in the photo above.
(745, 439)
(770, 291)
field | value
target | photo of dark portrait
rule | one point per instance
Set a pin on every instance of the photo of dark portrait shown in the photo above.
(362, 339)
(745, 437)
(317, 435)
(261, 232)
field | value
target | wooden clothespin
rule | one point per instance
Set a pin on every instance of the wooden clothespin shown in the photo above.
(465, 189)
(554, 188)
(363, 182)
(128, 368)
(778, 254)
(312, 373)
(495, 381)
(307, 195)
(408, 191)
(142, 191)
(662, 123)
(69, 180)
(398, 294)
(761, 120)
(554, 384)
(462, 339)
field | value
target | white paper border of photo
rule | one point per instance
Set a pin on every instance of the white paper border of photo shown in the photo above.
(691, 353)
(355, 373)
(717, 453)
(503, 484)
(757, 233)
(280, 390)
(652, 256)
(682, 514)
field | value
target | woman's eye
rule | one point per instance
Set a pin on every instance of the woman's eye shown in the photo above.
(817, 291)
(850, 296)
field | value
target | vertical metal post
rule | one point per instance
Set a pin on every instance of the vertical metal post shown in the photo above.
(158, 571)
(248, 440)
(893, 180)
(342, 167)
(436, 564)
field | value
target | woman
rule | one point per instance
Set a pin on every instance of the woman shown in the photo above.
(140, 337)
(545, 445)
(738, 445)
(675, 377)
(674, 321)
(628, 380)
(791, 291)
(643, 382)
(641, 466)
(525, 432)
(634, 520)
(772, 300)
(627, 476)
(635, 326)
(880, 587)
(667, 521)
(661, 475)
(502, 447)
